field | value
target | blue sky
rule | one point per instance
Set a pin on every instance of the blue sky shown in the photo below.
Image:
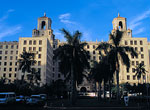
(91, 17)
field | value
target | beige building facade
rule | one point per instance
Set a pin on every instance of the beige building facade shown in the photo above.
(43, 43)
(8, 60)
(140, 45)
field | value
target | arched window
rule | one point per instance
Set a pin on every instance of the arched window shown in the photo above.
(43, 25)
(120, 25)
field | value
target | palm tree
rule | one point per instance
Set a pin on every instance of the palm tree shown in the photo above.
(116, 51)
(25, 62)
(140, 71)
(97, 76)
(34, 76)
(73, 59)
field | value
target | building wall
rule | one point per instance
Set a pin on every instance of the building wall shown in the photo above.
(8, 60)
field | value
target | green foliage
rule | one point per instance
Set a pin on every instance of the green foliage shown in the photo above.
(140, 70)
(72, 53)
(25, 62)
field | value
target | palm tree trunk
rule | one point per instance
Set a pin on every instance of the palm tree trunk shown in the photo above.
(99, 90)
(104, 90)
(109, 90)
(117, 78)
(73, 95)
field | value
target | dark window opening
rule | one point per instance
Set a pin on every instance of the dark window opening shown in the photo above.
(120, 25)
(43, 25)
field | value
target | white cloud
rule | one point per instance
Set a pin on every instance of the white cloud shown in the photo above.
(10, 31)
(72, 26)
(5, 29)
(138, 20)
(140, 30)
(65, 18)
(6, 15)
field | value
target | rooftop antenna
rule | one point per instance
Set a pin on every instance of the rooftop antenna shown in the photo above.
(118, 15)
(44, 14)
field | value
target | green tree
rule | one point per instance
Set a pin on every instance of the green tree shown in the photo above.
(25, 62)
(73, 59)
(140, 71)
(117, 52)
(34, 76)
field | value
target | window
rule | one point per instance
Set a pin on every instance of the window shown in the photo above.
(30, 48)
(4, 75)
(16, 46)
(1, 46)
(16, 63)
(135, 42)
(34, 42)
(0, 57)
(9, 74)
(137, 56)
(127, 70)
(133, 70)
(53, 69)
(132, 56)
(93, 46)
(25, 42)
(0, 52)
(6, 52)
(137, 62)
(136, 49)
(5, 58)
(142, 55)
(0, 63)
(39, 56)
(6, 46)
(30, 42)
(15, 69)
(94, 57)
(40, 42)
(16, 52)
(10, 69)
(141, 49)
(5, 63)
(40, 49)
(11, 52)
(128, 77)
(11, 57)
(15, 75)
(133, 63)
(134, 77)
(131, 42)
(10, 63)
(24, 48)
(93, 52)
(39, 63)
(126, 43)
(12, 46)
(16, 57)
(34, 48)
(88, 46)
(142, 62)
(4, 69)
(141, 43)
